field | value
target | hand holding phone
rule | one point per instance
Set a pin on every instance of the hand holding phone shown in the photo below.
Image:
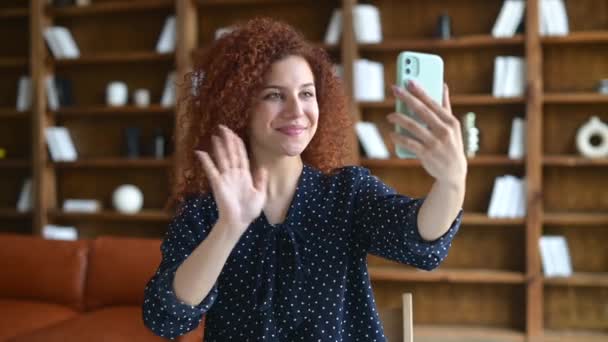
(427, 71)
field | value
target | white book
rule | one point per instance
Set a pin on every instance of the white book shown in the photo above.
(24, 94)
(24, 203)
(509, 17)
(56, 232)
(371, 140)
(167, 39)
(560, 15)
(562, 256)
(500, 69)
(51, 93)
(510, 197)
(494, 198)
(334, 29)
(523, 198)
(66, 145)
(517, 139)
(51, 40)
(369, 80)
(53, 144)
(547, 257)
(68, 46)
(515, 77)
(81, 206)
(168, 97)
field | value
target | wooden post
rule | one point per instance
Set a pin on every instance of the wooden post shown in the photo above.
(534, 168)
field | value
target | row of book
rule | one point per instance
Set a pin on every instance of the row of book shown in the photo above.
(374, 147)
(508, 198)
(59, 92)
(553, 18)
(63, 45)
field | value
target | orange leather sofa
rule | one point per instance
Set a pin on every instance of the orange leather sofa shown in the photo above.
(86, 290)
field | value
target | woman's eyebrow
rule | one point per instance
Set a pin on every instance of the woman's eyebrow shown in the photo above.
(305, 85)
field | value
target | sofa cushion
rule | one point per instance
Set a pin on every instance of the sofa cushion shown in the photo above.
(23, 316)
(118, 324)
(37, 269)
(119, 269)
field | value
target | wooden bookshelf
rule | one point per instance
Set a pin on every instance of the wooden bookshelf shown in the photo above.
(15, 127)
(491, 286)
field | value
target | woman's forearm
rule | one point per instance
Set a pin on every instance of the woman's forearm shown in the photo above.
(440, 208)
(196, 276)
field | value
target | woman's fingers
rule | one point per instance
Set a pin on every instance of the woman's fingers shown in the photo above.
(243, 158)
(219, 151)
(229, 143)
(411, 125)
(420, 108)
(409, 143)
(208, 166)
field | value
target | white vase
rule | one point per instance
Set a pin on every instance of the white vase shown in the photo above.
(117, 94)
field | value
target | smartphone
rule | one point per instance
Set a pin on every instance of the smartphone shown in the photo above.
(427, 71)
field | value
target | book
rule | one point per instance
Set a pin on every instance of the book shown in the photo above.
(334, 29)
(517, 140)
(167, 39)
(24, 94)
(60, 144)
(509, 18)
(25, 201)
(371, 140)
(369, 80)
(555, 256)
(52, 95)
(509, 76)
(168, 97)
(56, 232)
(60, 41)
(498, 83)
(81, 205)
(553, 18)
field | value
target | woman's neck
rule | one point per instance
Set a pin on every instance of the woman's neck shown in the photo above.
(283, 175)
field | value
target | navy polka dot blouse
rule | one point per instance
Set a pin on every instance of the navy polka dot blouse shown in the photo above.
(304, 279)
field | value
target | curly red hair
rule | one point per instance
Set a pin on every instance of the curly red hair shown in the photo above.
(221, 88)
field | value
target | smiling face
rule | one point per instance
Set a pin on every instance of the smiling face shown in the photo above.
(285, 112)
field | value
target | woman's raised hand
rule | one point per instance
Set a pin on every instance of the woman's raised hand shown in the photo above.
(239, 196)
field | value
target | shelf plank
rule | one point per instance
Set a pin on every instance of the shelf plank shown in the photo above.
(9, 13)
(551, 335)
(86, 111)
(14, 62)
(575, 98)
(456, 100)
(450, 333)
(11, 112)
(583, 279)
(573, 161)
(12, 213)
(578, 219)
(395, 273)
(482, 219)
(244, 2)
(111, 7)
(467, 42)
(113, 216)
(14, 163)
(481, 160)
(114, 163)
(582, 37)
(113, 57)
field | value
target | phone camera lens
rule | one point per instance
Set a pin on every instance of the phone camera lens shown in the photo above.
(407, 71)
(408, 61)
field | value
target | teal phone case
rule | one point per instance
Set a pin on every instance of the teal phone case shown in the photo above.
(427, 71)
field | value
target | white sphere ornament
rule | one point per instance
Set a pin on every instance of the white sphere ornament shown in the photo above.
(128, 199)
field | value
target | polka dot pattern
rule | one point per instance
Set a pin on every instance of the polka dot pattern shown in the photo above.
(304, 279)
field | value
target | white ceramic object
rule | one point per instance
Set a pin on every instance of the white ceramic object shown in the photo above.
(128, 199)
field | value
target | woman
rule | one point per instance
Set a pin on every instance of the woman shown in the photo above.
(272, 234)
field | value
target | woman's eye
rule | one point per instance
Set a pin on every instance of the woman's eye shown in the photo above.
(309, 94)
(273, 96)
